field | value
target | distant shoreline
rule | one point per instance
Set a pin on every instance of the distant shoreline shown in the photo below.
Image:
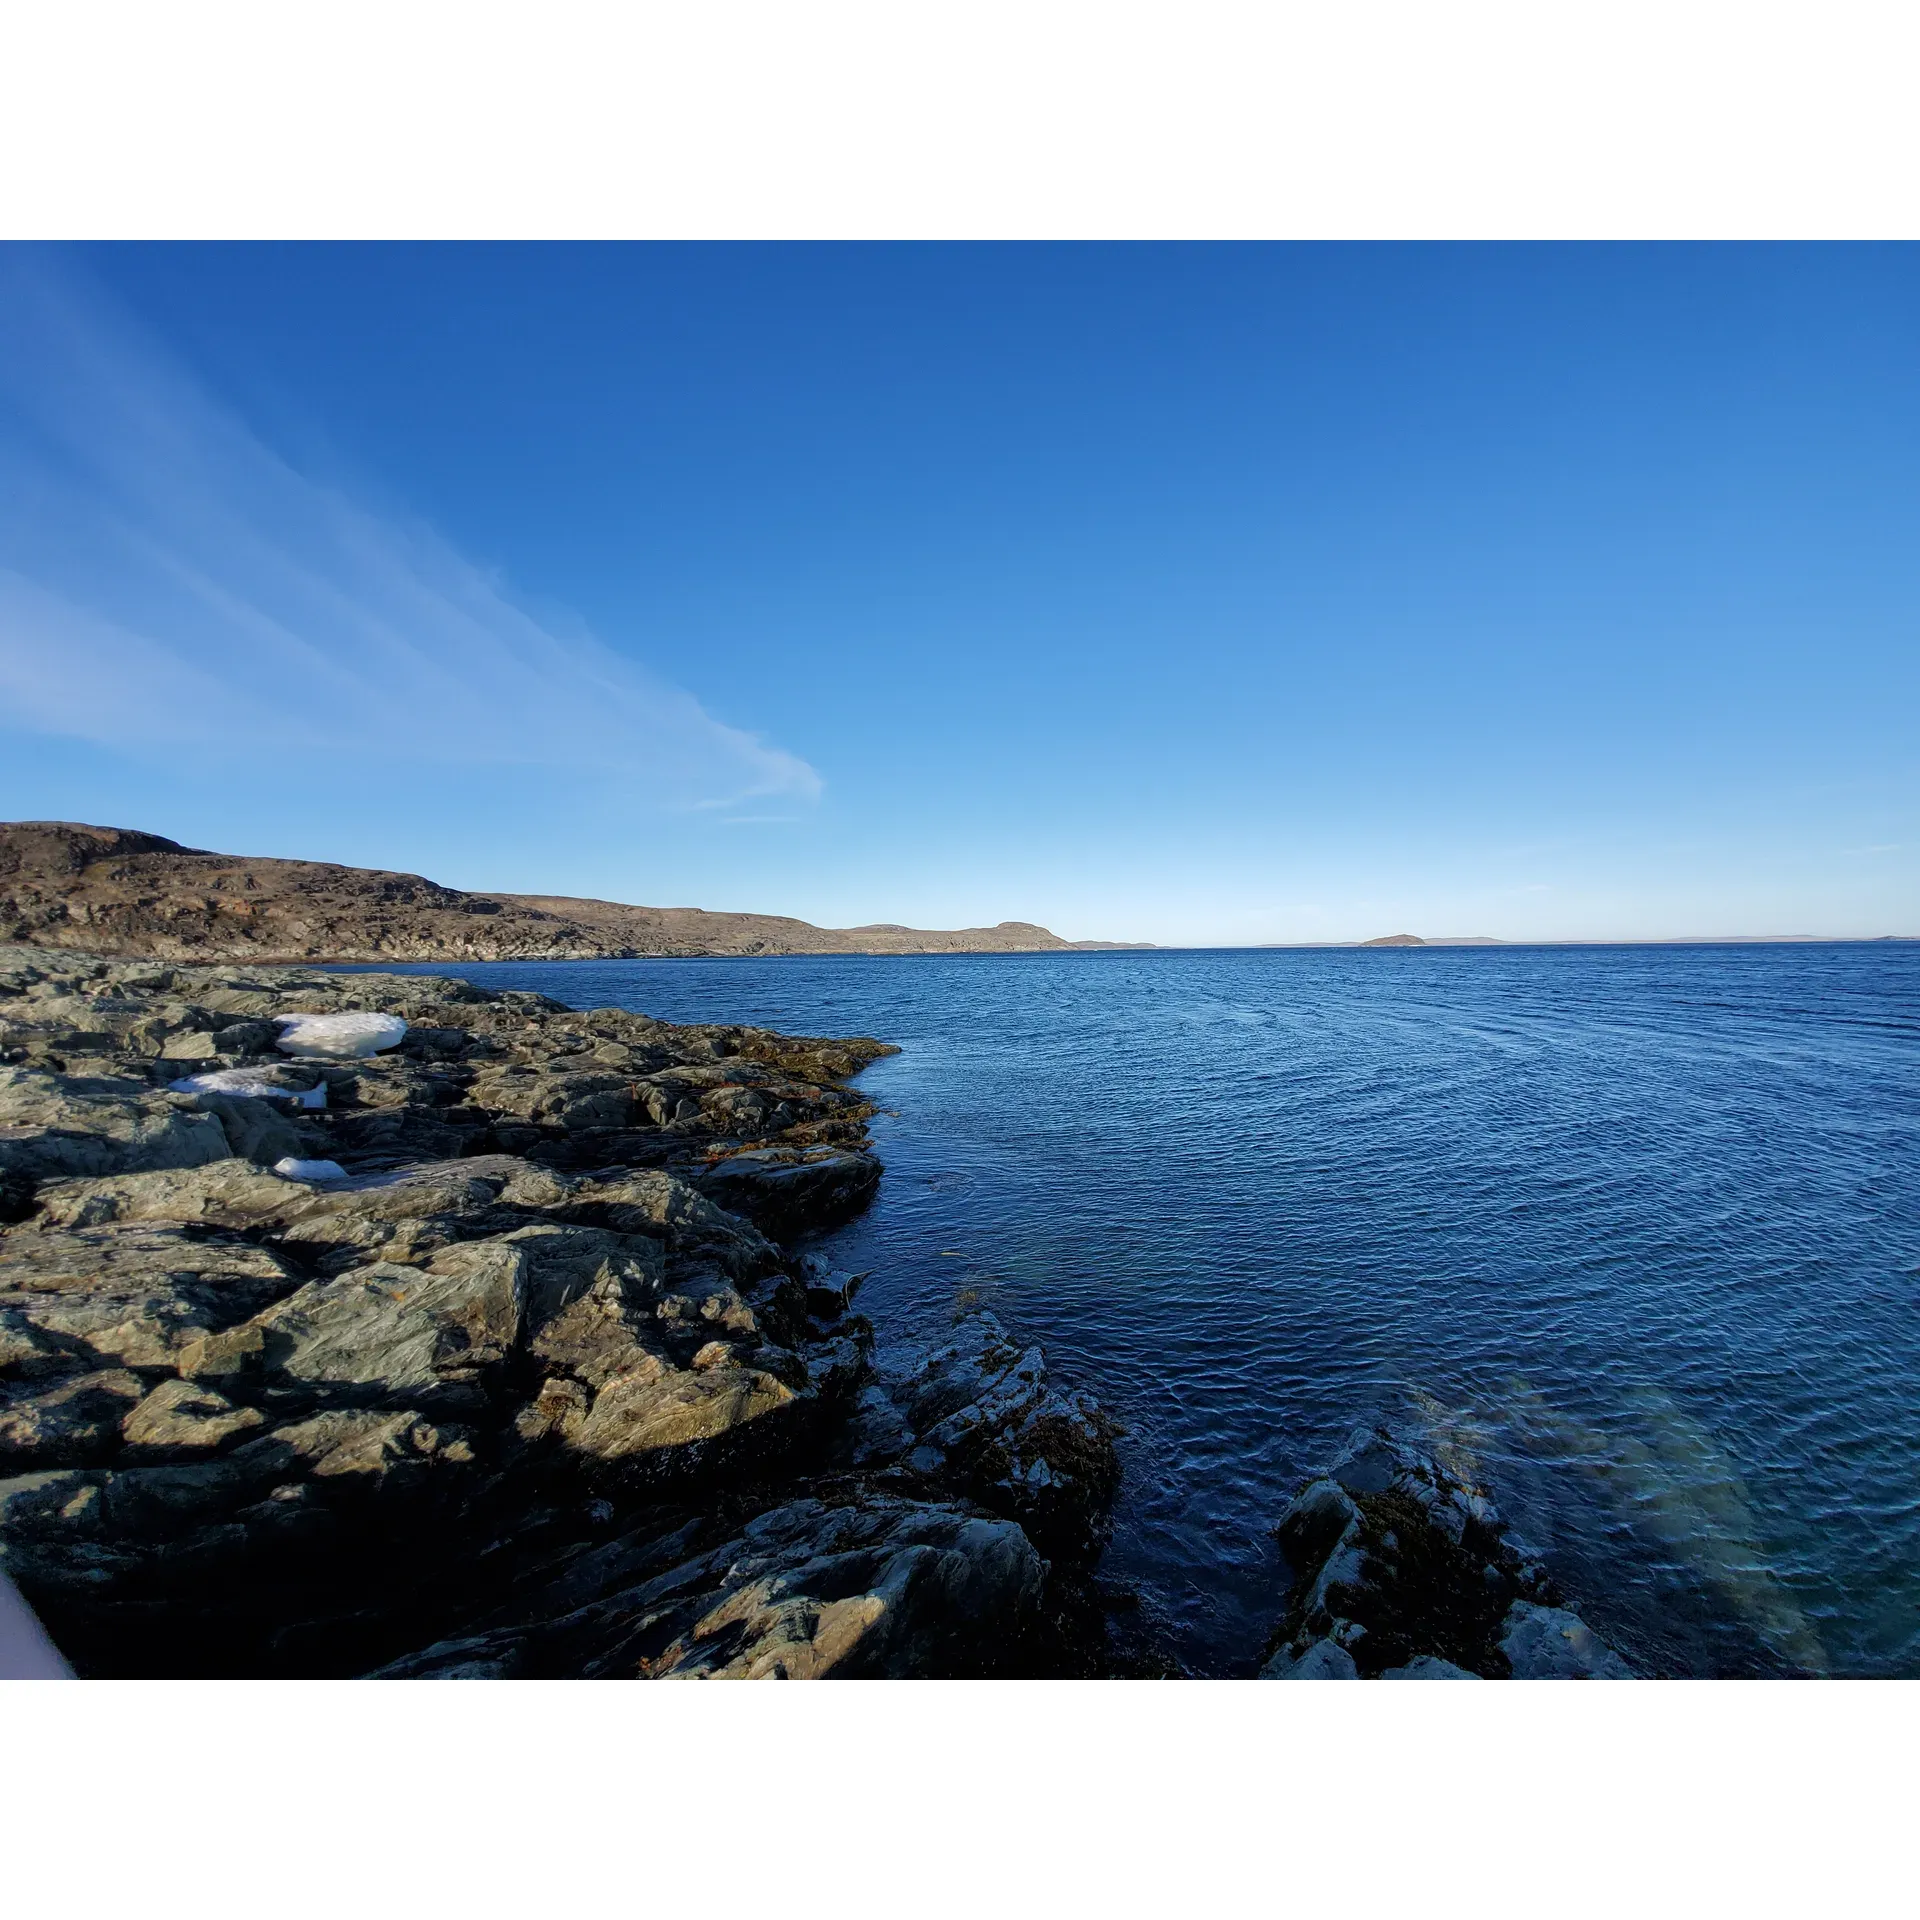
(1132, 949)
(140, 896)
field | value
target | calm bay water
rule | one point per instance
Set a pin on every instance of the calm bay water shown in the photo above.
(1639, 1227)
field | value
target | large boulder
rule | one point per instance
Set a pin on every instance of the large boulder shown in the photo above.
(396, 1337)
(232, 1192)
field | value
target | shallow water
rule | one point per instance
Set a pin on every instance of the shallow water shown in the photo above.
(1636, 1229)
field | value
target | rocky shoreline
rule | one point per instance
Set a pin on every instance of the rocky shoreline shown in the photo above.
(368, 1324)
(516, 1365)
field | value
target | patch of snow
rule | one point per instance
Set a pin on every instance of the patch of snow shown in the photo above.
(255, 1083)
(291, 1169)
(339, 1036)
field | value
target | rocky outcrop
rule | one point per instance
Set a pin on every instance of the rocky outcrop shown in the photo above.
(1402, 1568)
(882, 1588)
(978, 1411)
(539, 1382)
(113, 890)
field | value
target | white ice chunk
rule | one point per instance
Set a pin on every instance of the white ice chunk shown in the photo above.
(291, 1169)
(255, 1083)
(339, 1036)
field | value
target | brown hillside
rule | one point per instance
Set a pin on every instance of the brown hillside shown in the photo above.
(114, 891)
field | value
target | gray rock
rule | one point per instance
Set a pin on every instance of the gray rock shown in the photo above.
(1323, 1660)
(983, 1417)
(646, 1202)
(397, 1335)
(570, 1101)
(229, 1191)
(650, 1414)
(357, 1452)
(53, 1127)
(1549, 1643)
(133, 1295)
(1321, 1515)
(256, 1130)
(1397, 1552)
(1427, 1666)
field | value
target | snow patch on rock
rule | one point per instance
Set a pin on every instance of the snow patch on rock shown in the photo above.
(253, 1083)
(291, 1169)
(339, 1036)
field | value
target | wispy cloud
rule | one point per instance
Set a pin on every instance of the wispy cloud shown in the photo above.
(169, 583)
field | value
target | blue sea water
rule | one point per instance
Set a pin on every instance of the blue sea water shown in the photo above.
(1638, 1229)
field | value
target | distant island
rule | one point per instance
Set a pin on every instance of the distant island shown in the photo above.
(114, 890)
(1414, 940)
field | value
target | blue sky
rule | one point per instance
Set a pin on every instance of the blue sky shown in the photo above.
(1200, 595)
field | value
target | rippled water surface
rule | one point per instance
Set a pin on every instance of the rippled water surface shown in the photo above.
(1637, 1226)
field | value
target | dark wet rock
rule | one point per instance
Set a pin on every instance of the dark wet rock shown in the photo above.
(786, 1192)
(542, 1363)
(1402, 1567)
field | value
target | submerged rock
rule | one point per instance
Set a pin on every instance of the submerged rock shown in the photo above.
(1402, 1569)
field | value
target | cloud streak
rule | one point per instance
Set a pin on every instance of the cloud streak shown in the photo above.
(170, 584)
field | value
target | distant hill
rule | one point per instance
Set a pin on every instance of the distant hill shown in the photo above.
(113, 890)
